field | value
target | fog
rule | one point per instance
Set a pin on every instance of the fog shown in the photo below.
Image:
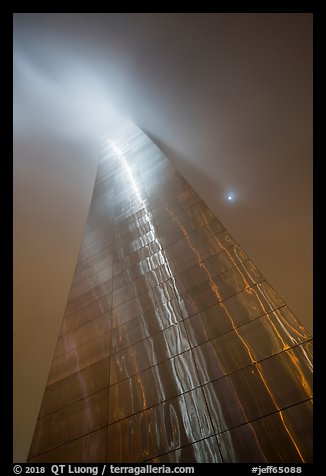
(228, 97)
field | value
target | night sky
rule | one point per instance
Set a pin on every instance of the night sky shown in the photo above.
(228, 97)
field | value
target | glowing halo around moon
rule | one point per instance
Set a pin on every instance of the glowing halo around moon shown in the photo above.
(230, 197)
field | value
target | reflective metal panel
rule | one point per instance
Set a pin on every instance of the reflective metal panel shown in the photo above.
(83, 334)
(75, 387)
(155, 385)
(91, 295)
(89, 449)
(86, 314)
(93, 268)
(146, 325)
(272, 334)
(157, 348)
(205, 451)
(288, 375)
(238, 398)
(80, 358)
(239, 309)
(221, 356)
(160, 429)
(71, 422)
(284, 437)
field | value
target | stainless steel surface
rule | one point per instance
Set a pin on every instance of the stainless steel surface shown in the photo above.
(283, 437)
(173, 346)
(73, 421)
(160, 429)
(86, 314)
(151, 351)
(83, 334)
(146, 325)
(75, 387)
(155, 385)
(232, 312)
(88, 449)
(80, 358)
(204, 451)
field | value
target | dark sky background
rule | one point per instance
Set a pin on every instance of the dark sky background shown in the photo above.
(228, 97)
